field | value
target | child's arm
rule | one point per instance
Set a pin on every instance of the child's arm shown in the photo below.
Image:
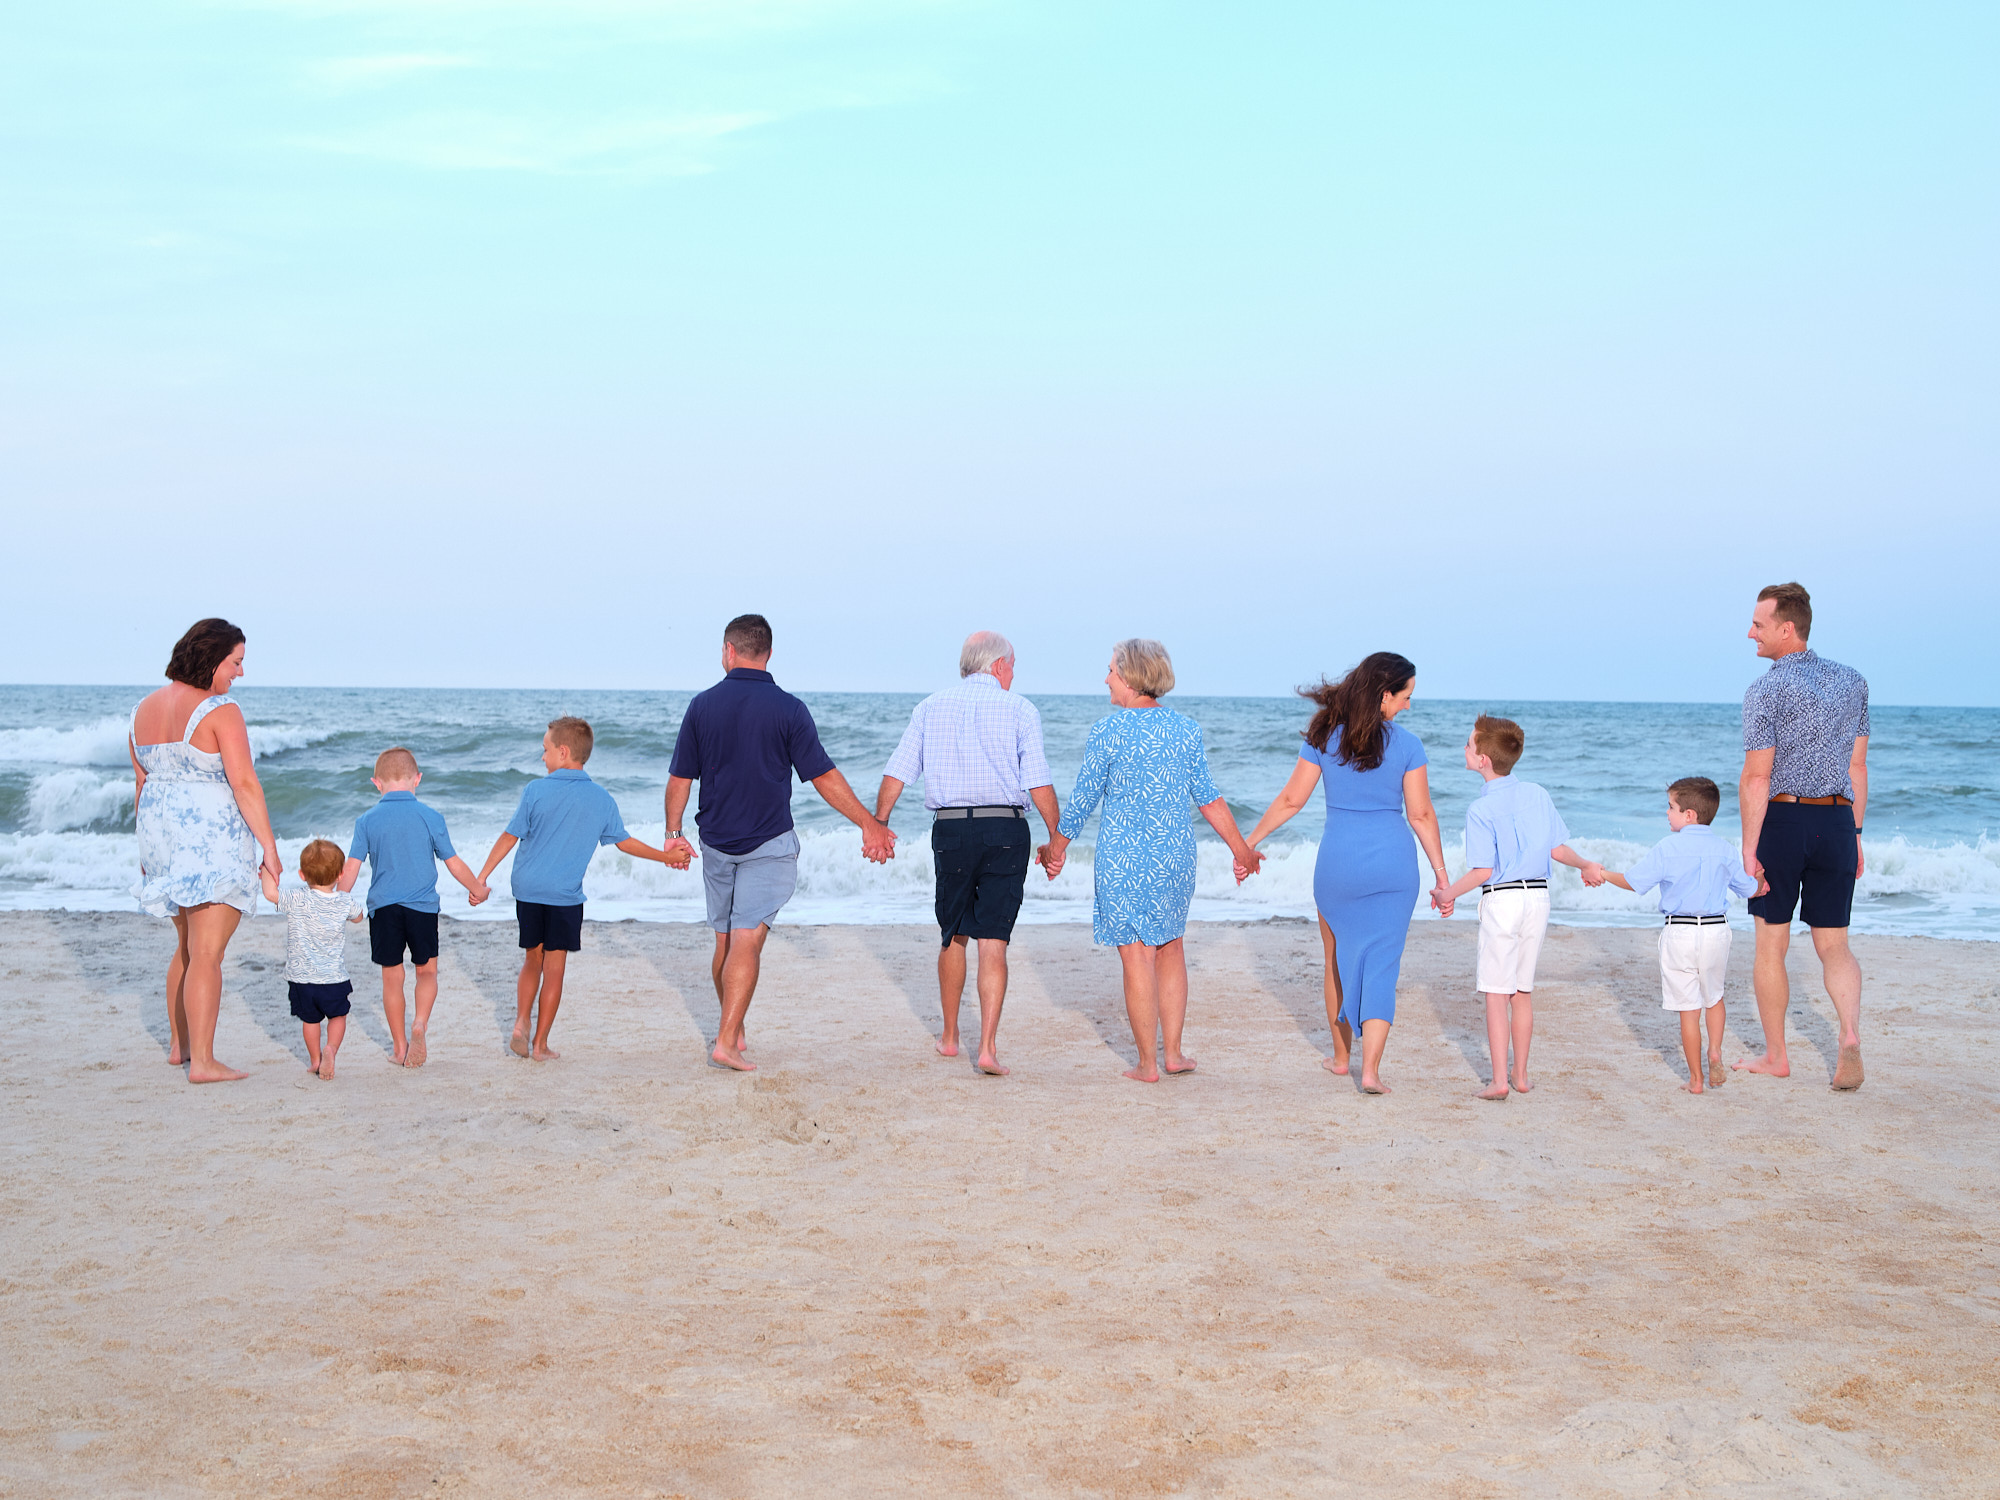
(675, 858)
(1612, 877)
(1593, 872)
(502, 847)
(349, 873)
(462, 873)
(1471, 880)
(270, 885)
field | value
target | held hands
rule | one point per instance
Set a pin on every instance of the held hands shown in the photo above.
(272, 865)
(1593, 873)
(678, 852)
(477, 893)
(1249, 862)
(1050, 856)
(1442, 899)
(878, 842)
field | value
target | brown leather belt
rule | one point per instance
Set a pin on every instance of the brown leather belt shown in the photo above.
(1815, 801)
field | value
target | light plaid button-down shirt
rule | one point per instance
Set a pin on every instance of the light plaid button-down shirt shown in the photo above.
(973, 745)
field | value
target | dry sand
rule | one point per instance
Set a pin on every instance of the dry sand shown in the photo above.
(867, 1271)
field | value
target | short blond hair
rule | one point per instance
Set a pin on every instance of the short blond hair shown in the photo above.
(1145, 666)
(321, 862)
(396, 764)
(573, 735)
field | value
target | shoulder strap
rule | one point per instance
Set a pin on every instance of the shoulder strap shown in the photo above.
(202, 710)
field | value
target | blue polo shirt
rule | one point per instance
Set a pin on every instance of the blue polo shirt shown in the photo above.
(1696, 870)
(1510, 829)
(742, 739)
(560, 822)
(402, 840)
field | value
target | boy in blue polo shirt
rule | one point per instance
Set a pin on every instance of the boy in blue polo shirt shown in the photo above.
(559, 823)
(1697, 872)
(402, 840)
(1512, 831)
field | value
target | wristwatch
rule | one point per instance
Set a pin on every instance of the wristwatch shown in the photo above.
(672, 834)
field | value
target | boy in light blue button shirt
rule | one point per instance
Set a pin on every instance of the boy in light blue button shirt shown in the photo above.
(560, 823)
(1697, 871)
(1512, 831)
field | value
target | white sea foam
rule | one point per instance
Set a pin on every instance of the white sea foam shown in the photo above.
(102, 742)
(76, 798)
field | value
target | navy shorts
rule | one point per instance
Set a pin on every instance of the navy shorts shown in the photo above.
(1807, 850)
(313, 1003)
(550, 927)
(982, 866)
(391, 928)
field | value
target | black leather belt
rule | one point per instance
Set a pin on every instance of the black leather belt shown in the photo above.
(1678, 920)
(981, 812)
(1514, 885)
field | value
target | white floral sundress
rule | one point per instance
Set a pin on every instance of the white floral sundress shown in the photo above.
(194, 846)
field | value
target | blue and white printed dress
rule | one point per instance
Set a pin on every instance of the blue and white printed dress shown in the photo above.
(1144, 765)
(194, 846)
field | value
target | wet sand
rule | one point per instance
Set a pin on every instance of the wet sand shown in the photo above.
(867, 1270)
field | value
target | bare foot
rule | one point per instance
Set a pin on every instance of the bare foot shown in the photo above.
(1847, 1077)
(213, 1072)
(948, 1049)
(544, 1053)
(988, 1063)
(1334, 1065)
(1717, 1074)
(326, 1067)
(417, 1052)
(729, 1057)
(312, 1065)
(176, 1058)
(1522, 1086)
(1140, 1075)
(401, 1057)
(1763, 1064)
(1497, 1091)
(1692, 1086)
(1374, 1086)
(518, 1044)
(1181, 1064)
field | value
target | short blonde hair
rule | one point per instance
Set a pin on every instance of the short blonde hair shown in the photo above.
(1145, 666)
(573, 734)
(395, 764)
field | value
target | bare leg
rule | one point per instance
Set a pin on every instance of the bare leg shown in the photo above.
(392, 1009)
(209, 927)
(1374, 1037)
(1691, 1049)
(1523, 1007)
(177, 1017)
(740, 1042)
(1843, 988)
(426, 997)
(951, 988)
(1142, 1009)
(554, 962)
(739, 986)
(992, 995)
(524, 998)
(311, 1029)
(1170, 974)
(1774, 997)
(1343, 1034)
(1496, 1043)
(336, 1033)
(1716, 1072)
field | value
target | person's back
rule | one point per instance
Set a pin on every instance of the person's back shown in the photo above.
(743, 740)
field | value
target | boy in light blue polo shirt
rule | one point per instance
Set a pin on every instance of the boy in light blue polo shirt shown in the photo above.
(559, 824)
(402, 840)
(1512, 831)
(1697, 871)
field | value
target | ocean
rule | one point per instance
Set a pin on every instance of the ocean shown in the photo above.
(67, 841)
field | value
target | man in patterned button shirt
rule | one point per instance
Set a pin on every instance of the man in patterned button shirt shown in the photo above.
(1804, 788)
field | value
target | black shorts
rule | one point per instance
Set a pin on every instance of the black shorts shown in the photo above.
(550, 927)
(1808, 851)
(982, 867)
(313, 1003)
(391, 928)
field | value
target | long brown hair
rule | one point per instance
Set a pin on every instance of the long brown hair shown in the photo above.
(1354, 706)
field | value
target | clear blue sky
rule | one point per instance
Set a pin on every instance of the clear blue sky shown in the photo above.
(522, 342)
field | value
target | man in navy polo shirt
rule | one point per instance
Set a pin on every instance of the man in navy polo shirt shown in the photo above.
(743, 740)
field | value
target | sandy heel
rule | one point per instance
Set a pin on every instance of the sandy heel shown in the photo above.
(1847, 1077)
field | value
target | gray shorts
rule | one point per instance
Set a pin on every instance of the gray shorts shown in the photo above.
(748, 890)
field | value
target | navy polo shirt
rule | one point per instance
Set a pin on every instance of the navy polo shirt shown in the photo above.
(742, 739)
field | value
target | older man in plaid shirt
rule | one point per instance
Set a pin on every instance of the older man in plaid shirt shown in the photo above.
(978, 748)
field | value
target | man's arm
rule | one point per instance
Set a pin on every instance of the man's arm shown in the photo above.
(1753, 795)
(885, 798)
(1857, 772)
(1044, 798)
(877, 842)
(678, 788)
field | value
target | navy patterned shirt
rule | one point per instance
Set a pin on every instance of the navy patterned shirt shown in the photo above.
(1810, 711)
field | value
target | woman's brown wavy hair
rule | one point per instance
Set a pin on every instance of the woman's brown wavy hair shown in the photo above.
(1353, 705)
(205, 647)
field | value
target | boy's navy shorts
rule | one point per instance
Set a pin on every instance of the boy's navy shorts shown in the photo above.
(391, 928)
(1807, 850)
(550, 927)
(313, 1003)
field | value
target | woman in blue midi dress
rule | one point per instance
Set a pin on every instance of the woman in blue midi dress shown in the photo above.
(1365, 883)
(1146, 765)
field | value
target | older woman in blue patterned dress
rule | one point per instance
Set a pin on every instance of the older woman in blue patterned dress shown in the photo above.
(201, 822)
(1145, 765)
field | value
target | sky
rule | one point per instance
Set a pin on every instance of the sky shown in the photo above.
(524, 342)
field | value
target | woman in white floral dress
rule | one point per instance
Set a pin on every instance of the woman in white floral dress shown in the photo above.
(201, 819)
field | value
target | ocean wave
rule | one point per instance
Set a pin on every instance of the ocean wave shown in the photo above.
(77, 798)
(102, 742)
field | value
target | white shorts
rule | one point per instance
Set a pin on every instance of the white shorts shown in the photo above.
(1692, 963)
(1512, 925)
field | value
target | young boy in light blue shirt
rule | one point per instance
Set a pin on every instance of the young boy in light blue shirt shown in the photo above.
(1512, 831)
(402, 840)
(559, 824)
(1697, 871)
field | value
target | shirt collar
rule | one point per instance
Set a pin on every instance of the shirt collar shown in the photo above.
(1801, 657)
(747, 674)
(398, 796)
(570, 773)
(984, 679)
(1497, 782)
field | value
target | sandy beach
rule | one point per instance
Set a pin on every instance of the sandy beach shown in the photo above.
(867, 1270)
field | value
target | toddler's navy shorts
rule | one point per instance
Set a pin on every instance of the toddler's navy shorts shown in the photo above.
(313, 1003)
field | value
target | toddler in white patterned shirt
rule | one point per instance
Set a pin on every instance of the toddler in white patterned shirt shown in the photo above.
(316, 915)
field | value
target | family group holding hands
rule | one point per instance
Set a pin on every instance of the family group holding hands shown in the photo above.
(977, 748)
